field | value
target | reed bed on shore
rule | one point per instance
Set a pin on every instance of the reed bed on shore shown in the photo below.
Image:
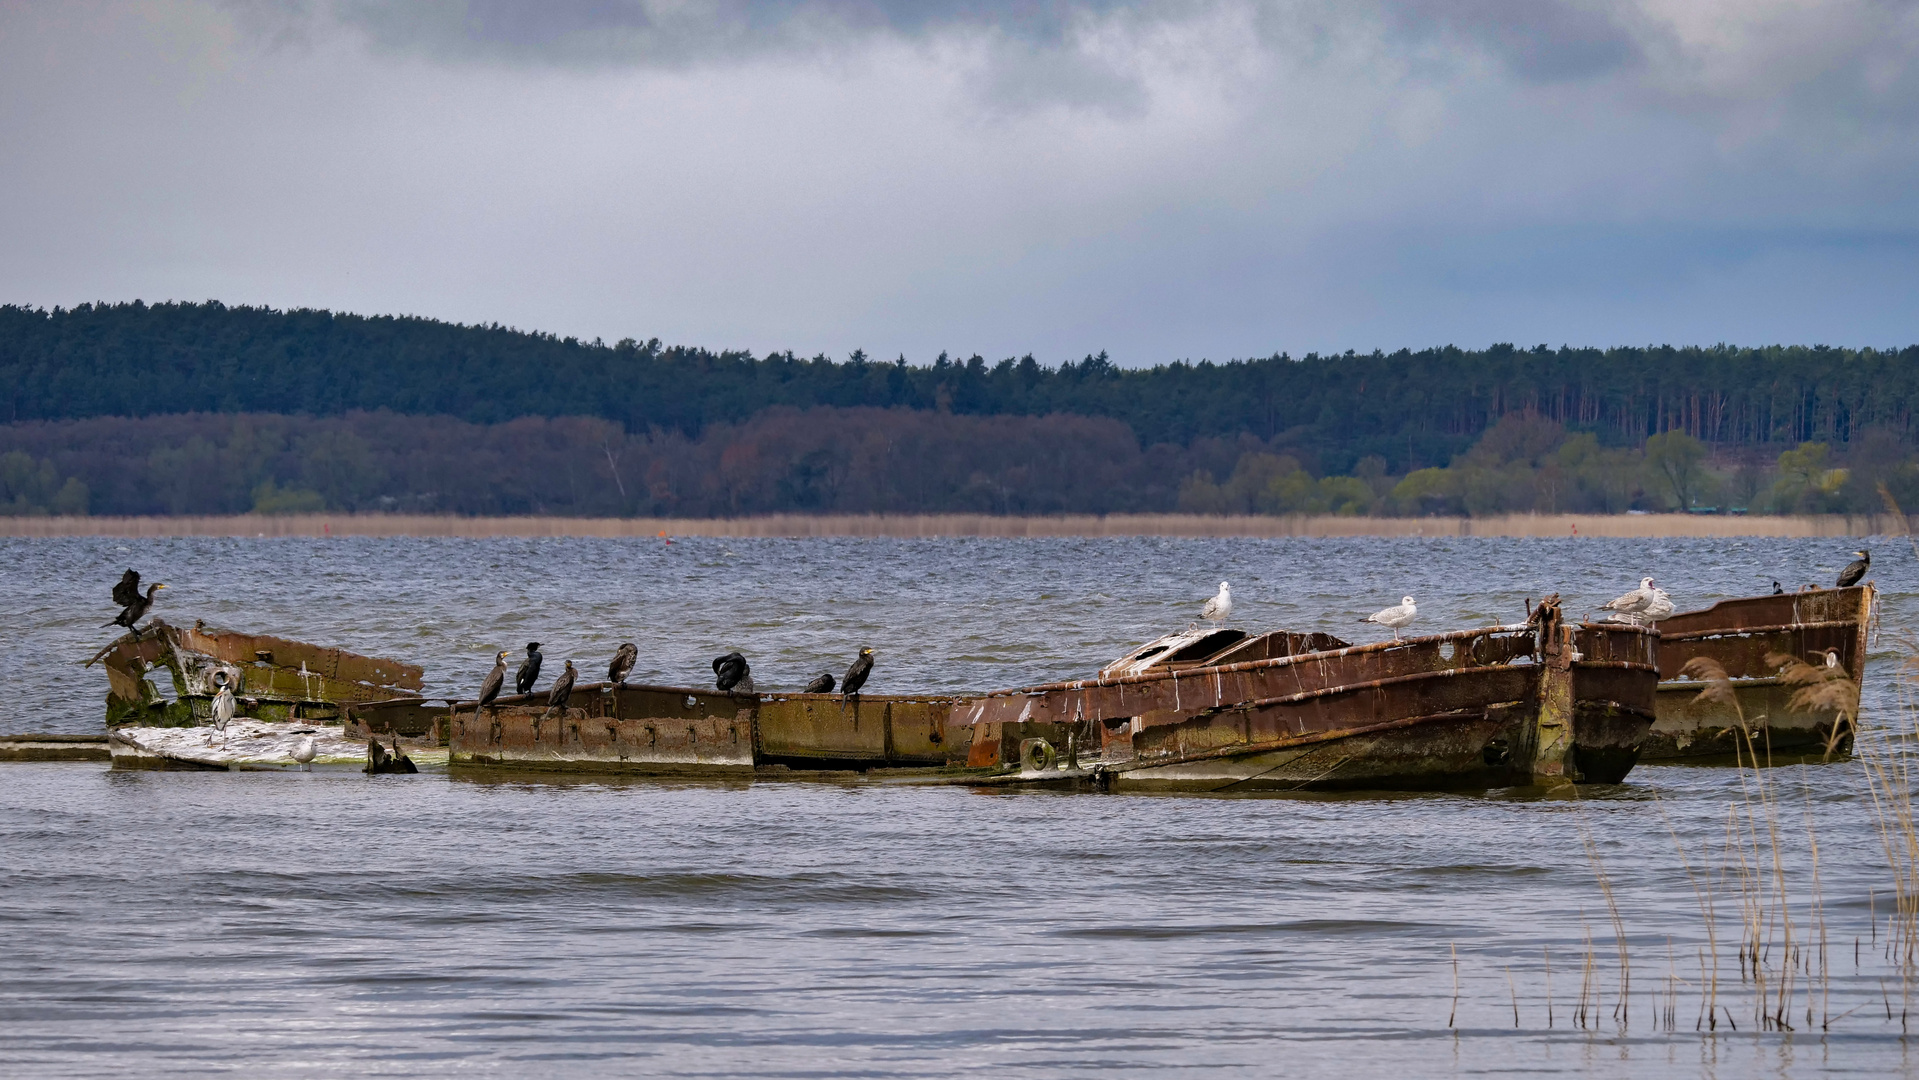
(930, 525)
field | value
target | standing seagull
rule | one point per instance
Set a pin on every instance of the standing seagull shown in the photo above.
(529, 672)
(1393, 618)
(303, 753)
(1633, 602)
(128, 590)
(622, 663)
(136, 611)
(1855, 569)
(1220, 607)
(1658, 608)
(495, 679)
(856, 675)
(556, 698)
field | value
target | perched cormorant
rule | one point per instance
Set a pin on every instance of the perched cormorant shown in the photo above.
(556, 698)
(529, 672)
(731, 671)
(1856, 569)
(136, 610)
(622, 663)
(129, 588)
(1776, 590)
(856, 675)
(1220, 607)
(821, 684)
(1392, 618)
(495, 679)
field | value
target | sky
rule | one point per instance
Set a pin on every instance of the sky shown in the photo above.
(1187, 179)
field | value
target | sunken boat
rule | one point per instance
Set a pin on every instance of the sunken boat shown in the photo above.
(1738, 642)
(166, 676)
(1219, 711)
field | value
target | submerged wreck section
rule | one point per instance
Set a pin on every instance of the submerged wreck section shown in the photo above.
(1496, 706)
(669, 731)
(167, 676)
(1731, 641)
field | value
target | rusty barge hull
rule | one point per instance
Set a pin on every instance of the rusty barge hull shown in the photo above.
(1484, 708)
(273, 678)
(679, 731)
(1738, 634)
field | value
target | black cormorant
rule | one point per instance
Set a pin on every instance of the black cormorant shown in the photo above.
(1855, 569)
(821, 684)
(495, 679)
(856, 675)
(730, 671)
(556, 698)
(1776, 590)
(137, 610)
(129, 588)
(529, 672)
(622, 663)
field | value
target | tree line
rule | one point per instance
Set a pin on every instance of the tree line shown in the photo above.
(870, 460)
(1411, 410)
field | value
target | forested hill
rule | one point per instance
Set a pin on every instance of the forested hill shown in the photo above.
(1411, 408)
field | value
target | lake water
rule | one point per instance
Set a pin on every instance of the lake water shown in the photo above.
(316, 924)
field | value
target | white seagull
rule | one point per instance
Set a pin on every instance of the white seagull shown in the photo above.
(1393, 618)
(1633, 602)
(1219, 608)
(303, 753)
(1659, 607)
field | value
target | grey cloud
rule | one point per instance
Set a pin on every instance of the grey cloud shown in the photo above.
(1541, 40)
(673, 33)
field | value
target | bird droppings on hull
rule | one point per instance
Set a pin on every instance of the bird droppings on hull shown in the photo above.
(250, 746)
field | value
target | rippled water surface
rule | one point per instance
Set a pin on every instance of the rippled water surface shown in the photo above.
(323, 924)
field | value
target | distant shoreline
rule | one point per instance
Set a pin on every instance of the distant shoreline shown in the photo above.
(916, 525)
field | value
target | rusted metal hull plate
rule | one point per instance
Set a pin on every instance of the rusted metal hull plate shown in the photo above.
(800, 730)
(1446, 753)
(1184, 693)
(1738, 634)
(627, 729)
(53, 748)
(686, 732)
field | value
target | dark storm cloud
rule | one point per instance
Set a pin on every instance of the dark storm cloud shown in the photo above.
(1161, 178)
